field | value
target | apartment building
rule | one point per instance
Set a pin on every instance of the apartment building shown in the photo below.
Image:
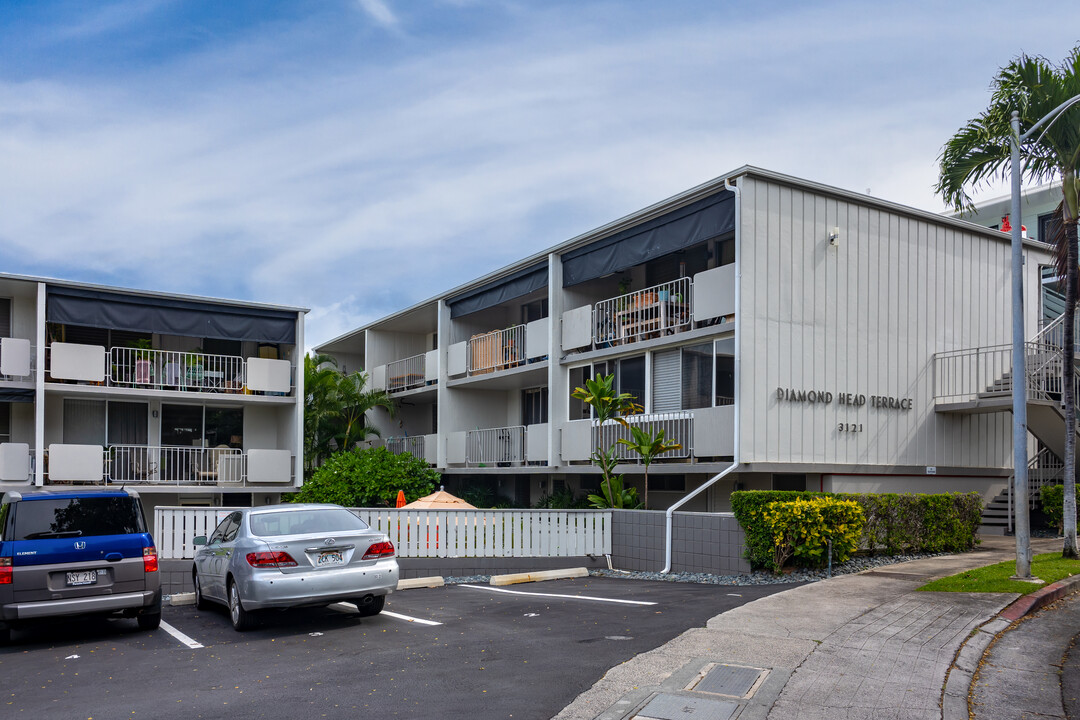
(811, 337)
(189, 400)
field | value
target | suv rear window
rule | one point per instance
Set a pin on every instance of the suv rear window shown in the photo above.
(74, 517)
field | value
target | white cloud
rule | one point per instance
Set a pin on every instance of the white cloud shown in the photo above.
(379, 12)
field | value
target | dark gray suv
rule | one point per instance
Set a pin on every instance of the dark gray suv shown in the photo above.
(76, 553)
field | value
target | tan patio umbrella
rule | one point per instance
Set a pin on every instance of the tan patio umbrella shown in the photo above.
(439, 500)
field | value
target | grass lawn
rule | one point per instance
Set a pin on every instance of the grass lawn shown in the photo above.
(1050, 567)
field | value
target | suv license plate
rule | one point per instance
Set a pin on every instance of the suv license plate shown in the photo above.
(87, 577)
(330, 557)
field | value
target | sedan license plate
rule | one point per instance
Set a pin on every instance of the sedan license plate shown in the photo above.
(86, 577)
(330, 557)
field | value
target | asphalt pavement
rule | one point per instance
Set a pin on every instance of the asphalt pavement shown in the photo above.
(858, 646)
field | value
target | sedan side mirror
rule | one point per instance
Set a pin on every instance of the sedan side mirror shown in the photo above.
(198, 540)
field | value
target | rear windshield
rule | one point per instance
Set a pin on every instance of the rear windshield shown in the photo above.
(298, 522)
(74, 517)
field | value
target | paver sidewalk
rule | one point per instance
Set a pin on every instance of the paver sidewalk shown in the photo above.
(856, 646)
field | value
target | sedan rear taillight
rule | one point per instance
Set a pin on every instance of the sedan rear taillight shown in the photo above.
(5, 571)
(380, 550)
(270, 560)
(149, 559)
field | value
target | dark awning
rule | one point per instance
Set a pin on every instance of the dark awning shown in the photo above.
(678, 229)
(499, 291)
(169, 316)
(16, 395)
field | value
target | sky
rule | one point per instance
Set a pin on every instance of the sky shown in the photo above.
(358, 156)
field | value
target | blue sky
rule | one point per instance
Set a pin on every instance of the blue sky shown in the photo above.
(357, 156)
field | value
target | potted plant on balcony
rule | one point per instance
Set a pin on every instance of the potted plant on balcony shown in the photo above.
(144, 366)
(194, 363)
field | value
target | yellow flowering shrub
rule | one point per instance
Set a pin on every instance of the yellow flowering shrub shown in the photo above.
(802, 529)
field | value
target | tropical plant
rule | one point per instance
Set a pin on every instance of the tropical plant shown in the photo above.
(368, 478)
(608, 405)
(979, 153)
(615, 495)
(334, 409)
(648, 446)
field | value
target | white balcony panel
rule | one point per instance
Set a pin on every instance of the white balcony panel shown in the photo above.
(14, 462)
(457, 360)
(230, 468)
(577, 328)
(77, 362)
(431, 366)
(76, 463)
(269, 466)
(455, 448)
(14, 357)
(536, 443)
(576, 440)
(714, 293)
(714, 431)
(431, 449)
(269, 375)
(538, 338)
(378, 377)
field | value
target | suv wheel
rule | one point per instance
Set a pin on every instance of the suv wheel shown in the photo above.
(5, 636)
(241, 618)
(151, 617)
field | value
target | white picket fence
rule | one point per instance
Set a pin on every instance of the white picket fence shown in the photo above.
(431, 533)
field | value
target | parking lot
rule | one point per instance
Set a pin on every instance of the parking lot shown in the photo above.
(460, 651)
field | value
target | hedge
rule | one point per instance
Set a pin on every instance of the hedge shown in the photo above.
(1053, 504)
(893, 522)
(803, 529)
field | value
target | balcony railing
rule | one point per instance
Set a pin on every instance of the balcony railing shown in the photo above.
(983, 373)
(677, 426)
(142, 465)
(495, 447)
(17, 359)
(168, 370)
(412, 444)
(658, 310)
(498, 350)
(406, 374)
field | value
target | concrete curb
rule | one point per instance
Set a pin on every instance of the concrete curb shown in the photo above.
(515, 578)
(1039, 599)
(421, 582)
(178, 599)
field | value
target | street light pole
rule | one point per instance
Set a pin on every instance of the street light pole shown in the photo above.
(1019, 375)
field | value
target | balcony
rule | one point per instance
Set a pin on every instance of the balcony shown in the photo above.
(677, 426)
(406, 374)
(659, 310)
(17, 359)
(413, 445)
(125, 367)
(492, 352)
(495, 447)
(166, 466)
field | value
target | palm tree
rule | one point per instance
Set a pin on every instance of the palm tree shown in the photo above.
(648, 446)
(980, 153)
(355, 403)
(599, 392)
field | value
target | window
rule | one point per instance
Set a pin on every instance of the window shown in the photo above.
(629, 378)
(5, 422)
(188, 425)
(127, 423)
(1048, 227)
(789, 481)
(725, 372)
(535, 310)
(1053, 294)
(667, 483)
(5, 317)
(84, 422)
(534, 406)
(695, 376)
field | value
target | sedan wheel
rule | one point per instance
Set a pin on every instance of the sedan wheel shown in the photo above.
(241, 618)
(372, 608)
(201, 602)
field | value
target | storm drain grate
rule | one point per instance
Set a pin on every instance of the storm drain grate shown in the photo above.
(680, 707)
(733, 680)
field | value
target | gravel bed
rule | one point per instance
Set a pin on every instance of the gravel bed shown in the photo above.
(467, 579)
(798, 575)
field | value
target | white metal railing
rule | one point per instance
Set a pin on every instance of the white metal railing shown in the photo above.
(1053, 333)
(495, 447)
(431, 533)
(411, 444)
(677, 426)
(654, 311)
(496, 350)
(172, 370)
(149, 465)
(406, 374)
(980, 373)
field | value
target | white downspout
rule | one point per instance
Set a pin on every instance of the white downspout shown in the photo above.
(738, 340)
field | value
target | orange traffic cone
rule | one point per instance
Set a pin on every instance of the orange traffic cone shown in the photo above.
(400, 498)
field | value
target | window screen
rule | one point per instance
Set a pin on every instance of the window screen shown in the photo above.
(84, 422)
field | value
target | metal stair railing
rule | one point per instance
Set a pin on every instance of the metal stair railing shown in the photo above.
(1044, 469)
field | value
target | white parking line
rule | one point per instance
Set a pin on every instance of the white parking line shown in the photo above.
(349, 607)
(553, 595)
(180, 636)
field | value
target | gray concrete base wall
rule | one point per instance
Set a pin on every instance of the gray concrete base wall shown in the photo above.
(701, 542)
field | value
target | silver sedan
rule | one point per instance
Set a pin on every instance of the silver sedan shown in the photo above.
(281, 556)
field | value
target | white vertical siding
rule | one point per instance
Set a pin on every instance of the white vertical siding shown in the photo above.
(865, 317)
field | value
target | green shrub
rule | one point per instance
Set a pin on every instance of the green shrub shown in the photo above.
(1053, 504)
(368, 478)
(803, 528)
(893, 522)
